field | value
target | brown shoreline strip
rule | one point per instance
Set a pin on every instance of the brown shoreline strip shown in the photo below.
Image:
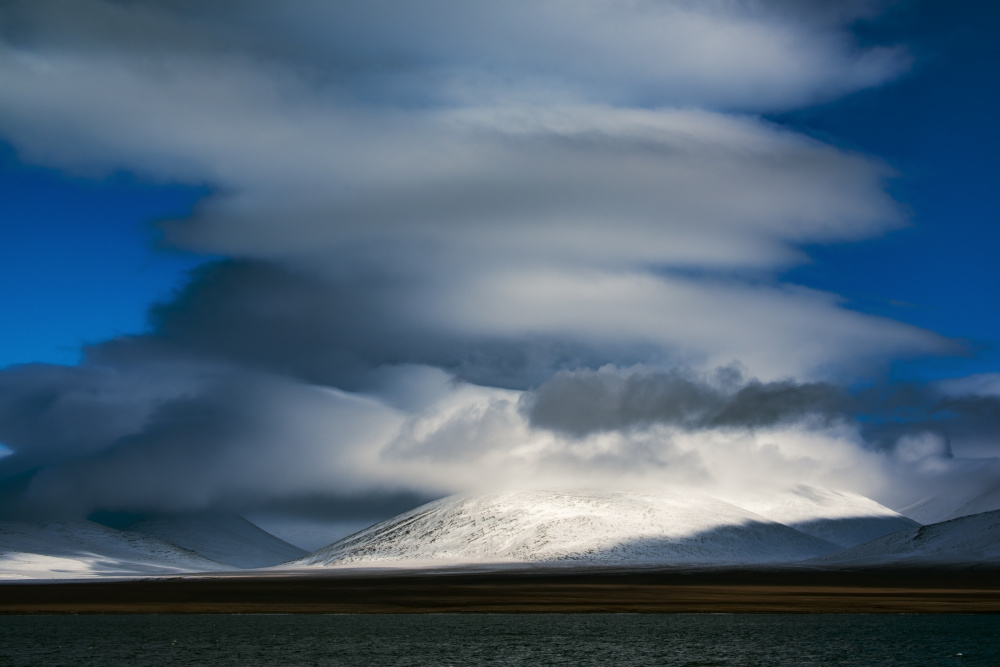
(907, 591)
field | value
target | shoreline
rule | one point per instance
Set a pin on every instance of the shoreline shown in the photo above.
(890, 591)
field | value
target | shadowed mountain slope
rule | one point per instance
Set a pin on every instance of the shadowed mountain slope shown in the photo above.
(74, 549)
(225, 538)
(968, 540)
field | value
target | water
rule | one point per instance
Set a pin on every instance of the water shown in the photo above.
(501, 639)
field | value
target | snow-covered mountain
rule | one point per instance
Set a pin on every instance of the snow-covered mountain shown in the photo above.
(225, 538)
(845, 519)
(932, 509)
(957, 503)
(75, 549)
(984, 502)
(977, 493)
(967, 540)
(579, 527)
(559, 528)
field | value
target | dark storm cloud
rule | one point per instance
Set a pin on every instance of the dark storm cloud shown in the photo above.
(338, 333)
(264, 316)
(163, 419)
(162, 465)
(54, 412)
(968, 424)
(213, 436)
(584, 402)
(186, 454)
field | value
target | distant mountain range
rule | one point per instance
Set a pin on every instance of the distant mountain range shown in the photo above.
(165, 545)
(803, 526)
(74, 549)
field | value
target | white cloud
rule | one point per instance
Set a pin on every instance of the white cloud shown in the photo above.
(503, 213)
(305, 440)
(582, 172)
(549, 221)
(715, 53)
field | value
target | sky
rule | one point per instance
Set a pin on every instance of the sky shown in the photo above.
(325, 261)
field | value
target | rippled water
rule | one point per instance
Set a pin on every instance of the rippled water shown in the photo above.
(550, 639)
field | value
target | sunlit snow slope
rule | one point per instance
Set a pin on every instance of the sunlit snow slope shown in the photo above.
(582, 527)
(845, 519)
(225, 538)
(74, 549)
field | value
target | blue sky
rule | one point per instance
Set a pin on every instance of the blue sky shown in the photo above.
(316, 258)
(81, 258)
(937, 126)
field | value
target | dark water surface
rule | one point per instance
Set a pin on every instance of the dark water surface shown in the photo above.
(500, 639)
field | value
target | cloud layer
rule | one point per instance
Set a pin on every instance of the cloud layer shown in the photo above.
(232, 438)
(437, 222)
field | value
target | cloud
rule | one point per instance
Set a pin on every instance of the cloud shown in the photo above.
(237, 439)
(511, 331)
(53, 412)
(493, 215)
(252, 440)
(714, 53)
(985, 384)
(610, 220)
(583, 402)
(465, 246)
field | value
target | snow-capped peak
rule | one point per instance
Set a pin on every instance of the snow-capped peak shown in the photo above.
(574, 527)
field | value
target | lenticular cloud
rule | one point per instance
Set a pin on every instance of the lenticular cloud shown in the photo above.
(459, 248)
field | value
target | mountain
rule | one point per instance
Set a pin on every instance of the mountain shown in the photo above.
(225, 538)
(977, 493)
(938, 508)
(845, 519)
(984, 502)
(932, 509)
(74, 549)
(574, 528)
(968, 540)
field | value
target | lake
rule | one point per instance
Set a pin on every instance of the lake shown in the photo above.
(500, 639)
